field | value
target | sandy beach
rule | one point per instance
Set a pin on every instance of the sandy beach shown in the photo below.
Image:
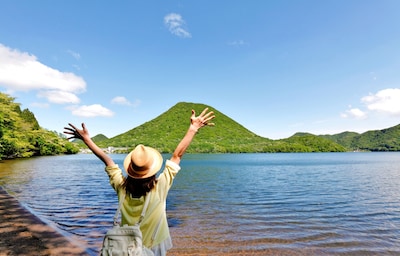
(22, 233)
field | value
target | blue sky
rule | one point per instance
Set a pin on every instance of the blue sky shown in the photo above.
(276, 67)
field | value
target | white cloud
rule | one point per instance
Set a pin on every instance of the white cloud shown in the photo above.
(92, 111)
(354, 113)
(59, 97)
(386, 101)
(21, 71)
(120, 100)
(175, 24)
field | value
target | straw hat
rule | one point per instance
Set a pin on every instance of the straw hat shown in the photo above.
(143, 162)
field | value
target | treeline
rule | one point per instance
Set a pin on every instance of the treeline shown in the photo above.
(22, 136)
(227, 136)
(379, 140)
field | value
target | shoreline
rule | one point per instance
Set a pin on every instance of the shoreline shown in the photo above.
(23, 233)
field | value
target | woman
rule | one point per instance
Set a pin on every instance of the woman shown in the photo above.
(142, 165)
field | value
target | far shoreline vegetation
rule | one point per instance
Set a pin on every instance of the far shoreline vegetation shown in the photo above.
(21, 136)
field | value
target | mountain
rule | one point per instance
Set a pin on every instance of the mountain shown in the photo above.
(22, 136)
(227, 136)
(313, 143)
(99, 137)
(377, 140)
(96, 139)
(345, 138)
(165, 131)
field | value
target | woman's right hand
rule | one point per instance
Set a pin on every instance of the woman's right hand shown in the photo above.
(76, 133)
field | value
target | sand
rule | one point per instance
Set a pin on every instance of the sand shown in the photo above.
(22, 233)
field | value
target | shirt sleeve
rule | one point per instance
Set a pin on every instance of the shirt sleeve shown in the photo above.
(166, 178)
(115, 175)
(171, 170)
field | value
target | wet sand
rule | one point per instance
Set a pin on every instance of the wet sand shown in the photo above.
(192, 246)
(22, 233)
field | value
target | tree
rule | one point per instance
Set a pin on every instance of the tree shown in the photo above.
(22, 136)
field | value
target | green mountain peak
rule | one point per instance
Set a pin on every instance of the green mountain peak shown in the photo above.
(227, 136)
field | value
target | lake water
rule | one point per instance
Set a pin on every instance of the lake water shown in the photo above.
(327, 203)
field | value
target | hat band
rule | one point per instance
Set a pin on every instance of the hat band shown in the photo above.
(138, 170)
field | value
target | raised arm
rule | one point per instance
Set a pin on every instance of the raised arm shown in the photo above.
(195, 124)
(85, 137)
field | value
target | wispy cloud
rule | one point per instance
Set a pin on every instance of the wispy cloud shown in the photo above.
(21, 71)
(176, 25)
(354, 113)
(373, 75)
(237, 43)
(74, 54)
(91, 111)
(120, 100)
(59, 97)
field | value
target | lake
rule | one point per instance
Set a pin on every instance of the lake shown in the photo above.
(316, 203)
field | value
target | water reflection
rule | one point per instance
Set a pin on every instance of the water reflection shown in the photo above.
(330, 203)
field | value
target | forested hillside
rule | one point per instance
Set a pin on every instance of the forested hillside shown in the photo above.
(165, 131)
(312, 143)
(22, 136)
(227, 136)
(378, 140)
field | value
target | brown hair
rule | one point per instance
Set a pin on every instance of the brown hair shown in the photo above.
(139, 187)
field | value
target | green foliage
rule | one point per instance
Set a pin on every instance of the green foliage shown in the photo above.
(382, 140)
(306, 142)
(21, 135)
(96, 139)
(165, 131)
(30, 118)
(99, 137)
(345, 138)
(227, 136)
(379, 140)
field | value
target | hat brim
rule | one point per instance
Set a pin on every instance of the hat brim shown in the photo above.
(155, 167)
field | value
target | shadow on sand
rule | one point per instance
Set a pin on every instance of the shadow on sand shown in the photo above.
(22, 233)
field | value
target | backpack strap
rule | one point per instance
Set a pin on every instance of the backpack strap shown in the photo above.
(146, 204)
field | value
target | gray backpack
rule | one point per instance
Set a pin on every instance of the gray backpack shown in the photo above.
(125, 240)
